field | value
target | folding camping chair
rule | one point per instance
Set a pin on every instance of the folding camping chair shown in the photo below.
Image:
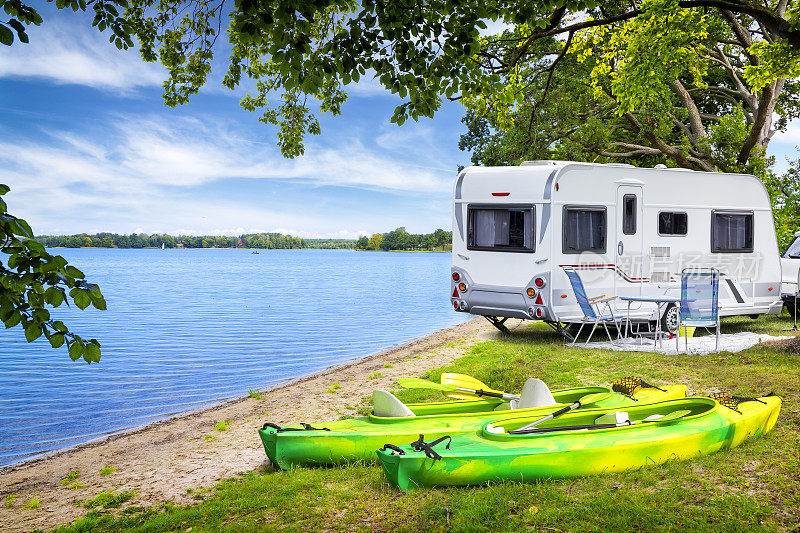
(699, 301)
(592, 313)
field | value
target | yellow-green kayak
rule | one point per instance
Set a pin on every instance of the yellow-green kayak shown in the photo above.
(341, 441)
(583, 442)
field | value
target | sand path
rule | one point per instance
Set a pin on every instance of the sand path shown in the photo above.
(164, 459)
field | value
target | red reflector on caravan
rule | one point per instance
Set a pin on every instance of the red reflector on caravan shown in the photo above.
(500, 193)
(455, 292)
(539, 300)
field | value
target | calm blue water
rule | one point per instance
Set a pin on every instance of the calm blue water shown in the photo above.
(185, 328)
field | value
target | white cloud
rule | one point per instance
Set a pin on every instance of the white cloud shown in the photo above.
(140, 169)
(73, 54)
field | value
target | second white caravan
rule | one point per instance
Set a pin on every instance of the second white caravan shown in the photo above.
(627, 231)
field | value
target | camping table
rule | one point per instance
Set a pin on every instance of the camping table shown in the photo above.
(659, 301)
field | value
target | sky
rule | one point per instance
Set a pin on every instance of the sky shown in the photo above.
(87, 145)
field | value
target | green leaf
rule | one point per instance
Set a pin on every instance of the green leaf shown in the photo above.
(33, 331)
(75, 350)
(54, 296)
(73, 272)
(93, 351)
(82, 297)
(57, 340)
(98, 301)
(13, 319)
(4, 189)
(6, 35)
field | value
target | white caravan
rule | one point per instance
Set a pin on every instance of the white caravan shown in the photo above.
(627, 231)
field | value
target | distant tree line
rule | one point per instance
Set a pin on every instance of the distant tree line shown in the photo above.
(141, 240)
(400, 239)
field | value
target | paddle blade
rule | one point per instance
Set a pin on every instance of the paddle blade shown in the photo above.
(673, 415)
(465, 382)
(417, 383)
(593, 398)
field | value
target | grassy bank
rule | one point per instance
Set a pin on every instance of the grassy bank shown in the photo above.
(753, 487)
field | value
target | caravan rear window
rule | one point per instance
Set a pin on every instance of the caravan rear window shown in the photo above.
(731, 232)
(584, 229)
(508, 228)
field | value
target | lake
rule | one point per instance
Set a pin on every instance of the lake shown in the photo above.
(187, 328)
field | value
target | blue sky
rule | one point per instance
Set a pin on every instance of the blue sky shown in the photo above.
(87, 145)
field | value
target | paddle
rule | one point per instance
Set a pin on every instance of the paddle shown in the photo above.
(465, 382)
(666, 418)
(585, 400)
(417, 383)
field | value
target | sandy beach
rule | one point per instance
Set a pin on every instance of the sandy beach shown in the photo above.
(170, 459)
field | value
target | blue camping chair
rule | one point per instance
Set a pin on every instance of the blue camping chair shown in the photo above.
(699, 301)
(592, 313)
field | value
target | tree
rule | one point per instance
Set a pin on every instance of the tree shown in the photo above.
(311, 51)
(784, 192)
(702, 106)
(375, 241)
(32, 279)
(362, 243)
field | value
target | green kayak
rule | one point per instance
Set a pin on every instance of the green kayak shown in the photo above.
(341, 441)
(583, 442)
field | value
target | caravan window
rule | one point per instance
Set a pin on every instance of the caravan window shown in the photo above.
(584, 229)
(507, 228)
(672, 223)
(731, 232)
(793, 251)
(629, 214)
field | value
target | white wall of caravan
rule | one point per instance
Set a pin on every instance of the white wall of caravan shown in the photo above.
(552, 187)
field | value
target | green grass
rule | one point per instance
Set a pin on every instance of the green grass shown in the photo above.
(333, 387)
(33, 503)
(9, 500)
(222, 425)
(71, 477)
(375, 375)
(106, 470)
(109, 500)
(254, 394)
(755, 487)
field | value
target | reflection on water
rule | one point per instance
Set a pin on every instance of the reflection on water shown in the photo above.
(185, 328)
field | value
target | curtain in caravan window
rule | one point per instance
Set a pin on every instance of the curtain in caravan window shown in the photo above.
(484, 227)
(584, 230)
(503, 229)
(732, 232)
(502, 220)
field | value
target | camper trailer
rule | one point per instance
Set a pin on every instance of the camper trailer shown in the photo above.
(627, 231)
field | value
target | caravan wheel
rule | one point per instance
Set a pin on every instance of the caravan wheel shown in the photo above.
(669, 322)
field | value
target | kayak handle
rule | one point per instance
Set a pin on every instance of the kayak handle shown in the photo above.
(279, 429)
(393, 448)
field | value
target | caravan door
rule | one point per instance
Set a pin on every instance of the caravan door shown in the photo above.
(629, 245)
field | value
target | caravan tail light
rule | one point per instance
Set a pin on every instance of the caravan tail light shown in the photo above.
(539, 282)
(455, 305)
(456, 276)
(531, 292)
(462, 287)
(539, 312)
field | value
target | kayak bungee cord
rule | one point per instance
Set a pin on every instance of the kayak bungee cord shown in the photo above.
(420, 445)
(732, 402)
(631, 385)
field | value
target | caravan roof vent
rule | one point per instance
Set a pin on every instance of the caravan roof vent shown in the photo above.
(622, 165)
(660, 166)
(538, 163)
